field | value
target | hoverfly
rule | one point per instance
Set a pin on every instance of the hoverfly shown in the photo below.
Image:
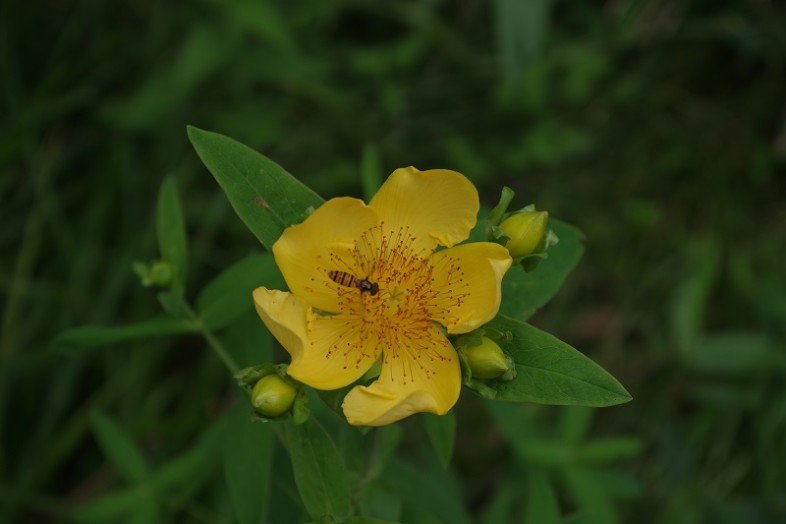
(349, 280)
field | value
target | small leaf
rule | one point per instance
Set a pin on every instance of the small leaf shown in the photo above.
(734, 353)
(119, 505)
(119, 448)
(500, 508)
(549, 371)
(187, 472)
(692, 295)
(262, 193)
(371, 171)
(427, 486)
(498, 211)
(590, 494)
(320, 474)
(525, 292)
(172, 300)
(607, 450)
(171, 231)
(441, 432)
(386, 441)
(172, 244)
(574, 423)
(542, 506)
(248, 460)
(79, 340)
(367, 520)
(230, 293)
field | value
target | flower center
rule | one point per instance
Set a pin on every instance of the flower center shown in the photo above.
(402, 272)
(411, 288)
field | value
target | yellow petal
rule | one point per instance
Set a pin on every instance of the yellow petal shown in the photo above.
(466, 283)
(438, 206)
(420, 375)
(326, 354)
(307, 252)
(284, 315)
(340, 351)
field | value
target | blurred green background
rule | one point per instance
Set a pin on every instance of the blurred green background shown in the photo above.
(657, 127)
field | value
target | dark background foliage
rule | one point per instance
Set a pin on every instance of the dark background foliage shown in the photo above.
(657, 127)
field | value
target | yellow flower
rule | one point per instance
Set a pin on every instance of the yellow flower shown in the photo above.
(367, 281)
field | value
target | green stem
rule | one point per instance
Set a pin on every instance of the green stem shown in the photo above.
(217, 347)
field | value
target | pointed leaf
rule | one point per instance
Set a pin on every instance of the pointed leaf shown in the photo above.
(441, 432)
(371, 174)
(171, 230)
(549, 371)
(320, 474)
(119, 505)
(79, 340)
(427, 486)
(248, 460)
(172, 245)
(590, 494)
(367, 520)
(119, 448)
(185, 473)
(607, 450)
(500, 509)
(542, 506)
(262, 193)
(733, 353)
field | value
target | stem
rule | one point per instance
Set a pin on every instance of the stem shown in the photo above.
(217, 347)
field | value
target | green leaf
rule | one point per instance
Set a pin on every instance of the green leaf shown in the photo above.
(524, 292)
(262, 193)
(79, 340)
(172, 244)
(371, 174)
(119, 448)
(607, 450)
(119, 505)
(734, 353)
(248, 460)
(501, 505)
(574, 423)
(367, 520)
(229, 294)
(590, 494)
(549, 371)
(429, 487)
(319, 470)
(542, 506)
(498, 211)
(172, 300)
(386, 441)
(521, 30)
(188, 472)
(380, 501)
(691, 297)
(441, 432)
(171, 231)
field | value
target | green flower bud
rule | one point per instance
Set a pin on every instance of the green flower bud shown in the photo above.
(272, 396)
(157, 273)
(526, 230)
(486, 360)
